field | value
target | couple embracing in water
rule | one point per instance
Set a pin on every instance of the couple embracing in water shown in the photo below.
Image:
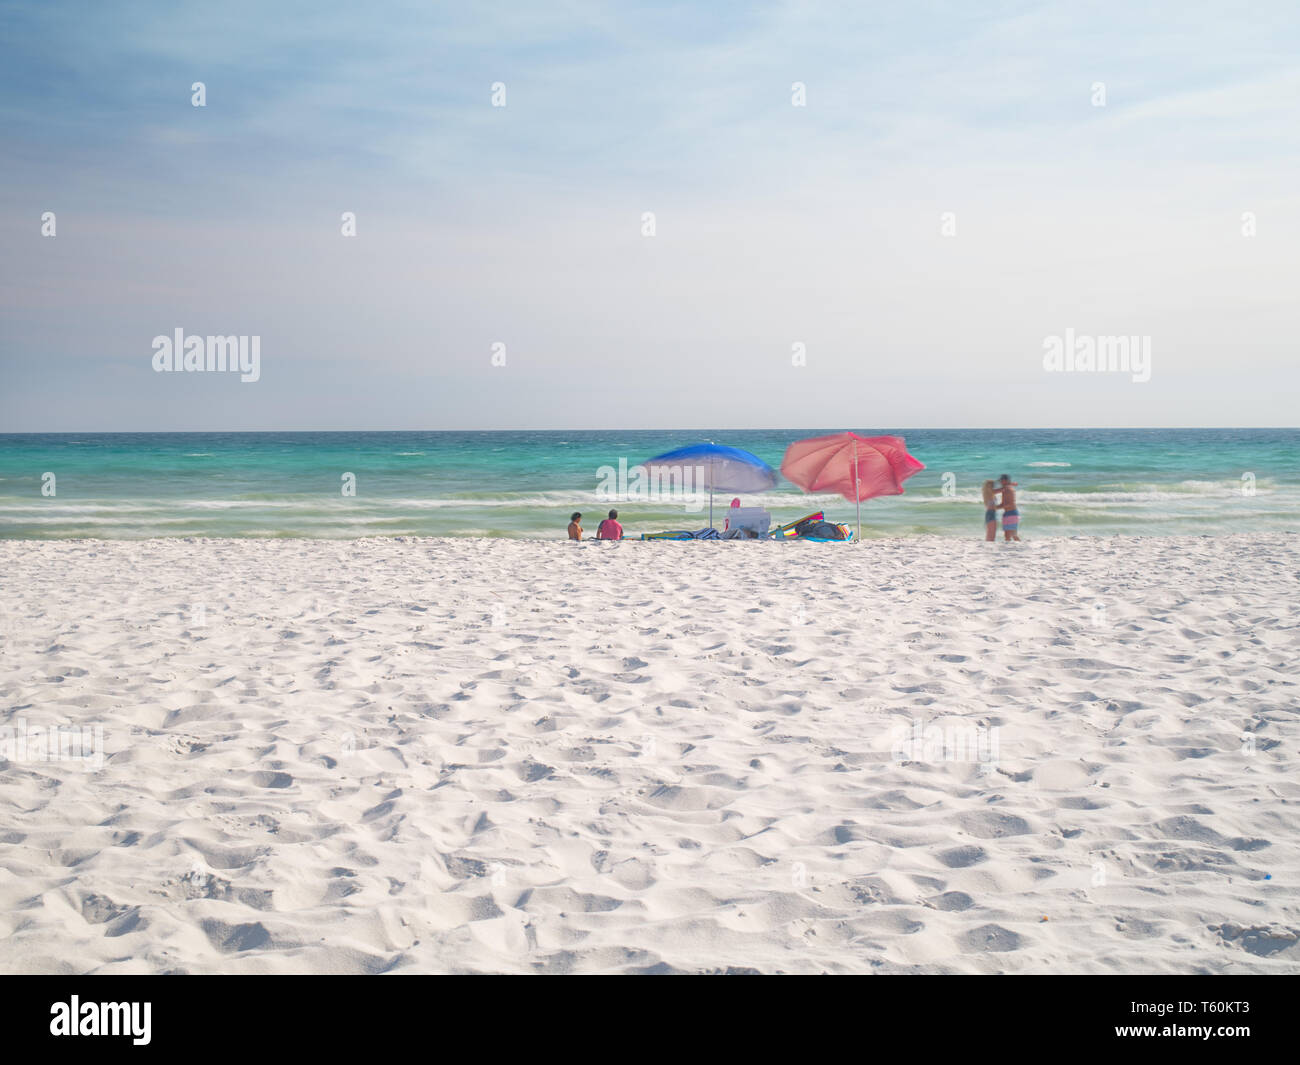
(1006, 487)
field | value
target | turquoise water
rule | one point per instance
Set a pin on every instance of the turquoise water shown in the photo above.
(1072, 481)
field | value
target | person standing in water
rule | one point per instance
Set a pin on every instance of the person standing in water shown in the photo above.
(990, 495)
(1010, 512)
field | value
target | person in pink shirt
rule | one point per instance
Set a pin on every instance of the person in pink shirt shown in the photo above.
(610, 529)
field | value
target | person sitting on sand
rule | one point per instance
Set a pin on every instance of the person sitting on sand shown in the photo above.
(575, 526)
(1010, 514)
(610, 529)
(990, 495)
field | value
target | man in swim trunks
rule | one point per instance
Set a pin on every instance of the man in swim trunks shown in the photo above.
(1010, 513)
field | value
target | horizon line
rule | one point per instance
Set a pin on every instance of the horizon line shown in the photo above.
(655, 429)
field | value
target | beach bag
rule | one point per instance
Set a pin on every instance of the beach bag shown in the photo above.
(823, 530)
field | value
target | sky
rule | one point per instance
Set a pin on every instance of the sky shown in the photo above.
(895, 245)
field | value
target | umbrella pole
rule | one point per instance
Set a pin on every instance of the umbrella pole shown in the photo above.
(857, 489)
(710, 493)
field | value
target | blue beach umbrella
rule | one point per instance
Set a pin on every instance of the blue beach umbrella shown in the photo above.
(725, 469)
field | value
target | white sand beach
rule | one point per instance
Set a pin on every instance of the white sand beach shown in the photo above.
(931, 755)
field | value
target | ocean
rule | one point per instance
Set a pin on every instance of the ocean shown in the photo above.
(525, 484)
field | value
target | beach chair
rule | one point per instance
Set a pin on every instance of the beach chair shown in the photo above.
(786, 531)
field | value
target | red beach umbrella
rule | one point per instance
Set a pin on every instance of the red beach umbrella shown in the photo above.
(857, 467)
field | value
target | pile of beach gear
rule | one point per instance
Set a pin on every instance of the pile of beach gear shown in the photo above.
(752, 523)
(813, 527)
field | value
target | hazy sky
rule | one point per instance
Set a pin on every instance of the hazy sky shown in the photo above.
(775, 224)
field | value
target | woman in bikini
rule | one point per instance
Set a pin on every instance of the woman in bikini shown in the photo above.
(990, 494)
